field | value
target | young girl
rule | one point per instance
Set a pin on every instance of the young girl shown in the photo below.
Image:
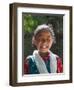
(43, 60)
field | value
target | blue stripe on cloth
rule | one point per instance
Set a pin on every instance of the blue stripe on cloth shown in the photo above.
(32, 66)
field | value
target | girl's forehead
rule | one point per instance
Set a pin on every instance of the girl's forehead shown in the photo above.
(42, 33)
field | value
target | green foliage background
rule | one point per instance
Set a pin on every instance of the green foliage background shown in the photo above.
(31, 21)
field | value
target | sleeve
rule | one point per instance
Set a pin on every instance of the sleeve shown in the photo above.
(59, 65)
(26, 66)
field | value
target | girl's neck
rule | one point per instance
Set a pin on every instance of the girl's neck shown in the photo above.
(43, 54)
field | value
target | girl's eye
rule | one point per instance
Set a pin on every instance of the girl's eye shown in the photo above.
(39, 39)
(48, 39)
(42, 40)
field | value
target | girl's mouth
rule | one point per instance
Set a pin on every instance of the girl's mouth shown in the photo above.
(44, 46)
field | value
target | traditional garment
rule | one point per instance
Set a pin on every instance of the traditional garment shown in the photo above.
(36, 64)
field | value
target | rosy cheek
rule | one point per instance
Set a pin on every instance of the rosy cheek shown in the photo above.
(38, 45)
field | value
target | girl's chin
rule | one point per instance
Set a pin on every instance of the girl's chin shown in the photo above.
(43, 51)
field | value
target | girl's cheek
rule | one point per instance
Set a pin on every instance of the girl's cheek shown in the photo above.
(37, 44)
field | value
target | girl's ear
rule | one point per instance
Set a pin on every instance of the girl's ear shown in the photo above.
(33, 41)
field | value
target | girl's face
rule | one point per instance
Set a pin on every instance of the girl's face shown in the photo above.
(43, 41)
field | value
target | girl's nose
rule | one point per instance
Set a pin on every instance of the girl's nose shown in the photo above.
(44, 40)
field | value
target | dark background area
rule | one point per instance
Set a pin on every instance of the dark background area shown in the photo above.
(31, 21)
